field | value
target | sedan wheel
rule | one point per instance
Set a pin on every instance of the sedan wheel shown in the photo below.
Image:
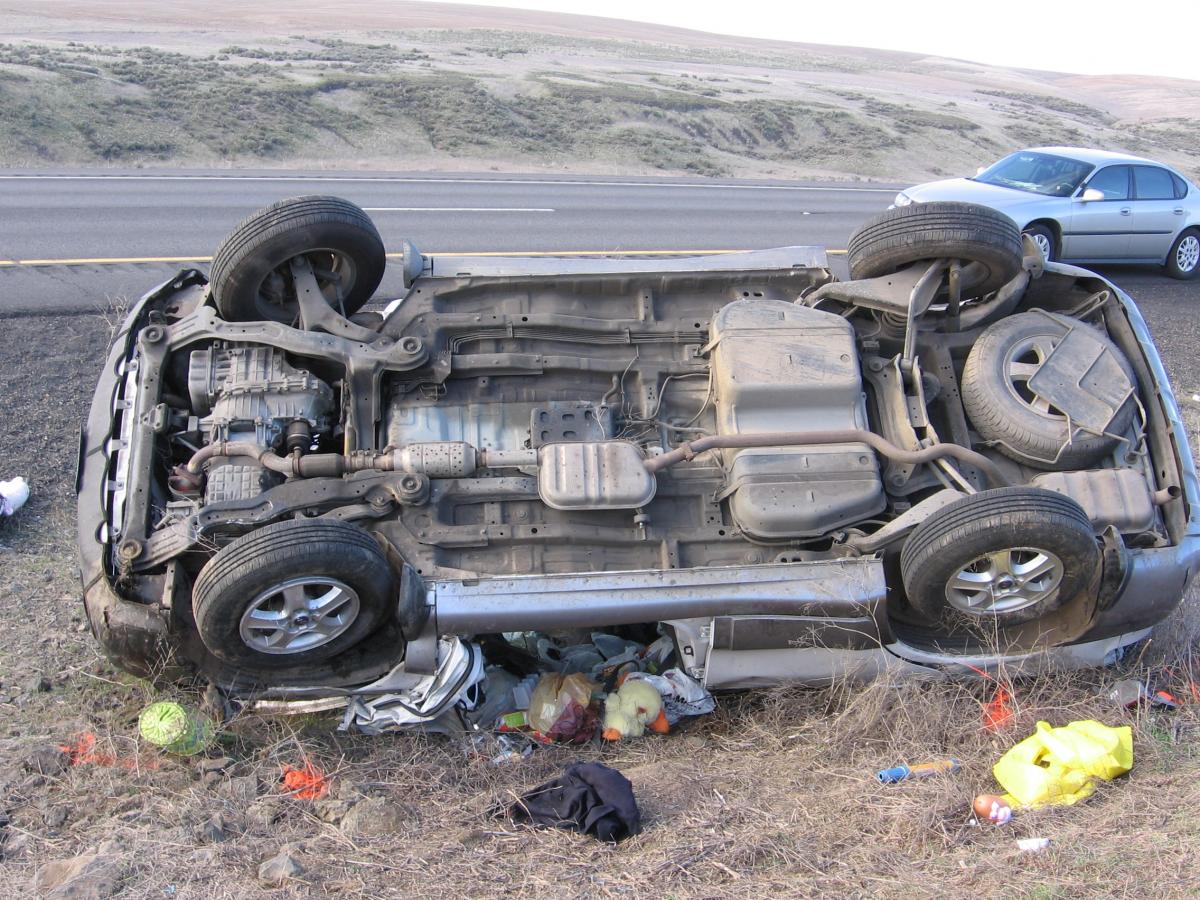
(1184, 261)
(1042, 236)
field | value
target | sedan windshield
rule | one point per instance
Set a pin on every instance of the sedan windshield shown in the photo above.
(1037, 173)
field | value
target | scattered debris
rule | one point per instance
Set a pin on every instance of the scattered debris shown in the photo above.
(682, 695)
(175, 728)
(1032, 845)
(306, 783)
(560, 707)
(82, 751)
(279, 869)
(213, 830)
(1057, 765)
(13, 494)
(903, 772)
(998, 712)
(1130, 693)
(588, 797)
(631, 710)
(992, 808)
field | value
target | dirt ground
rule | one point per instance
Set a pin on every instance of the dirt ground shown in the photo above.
(773, 794)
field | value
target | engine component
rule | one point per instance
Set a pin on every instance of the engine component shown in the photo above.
(1117, 497)
(236, 481)
(779, 367)
(594, 475)
(253, 394)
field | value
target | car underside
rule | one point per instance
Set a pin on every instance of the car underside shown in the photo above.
(959, 457)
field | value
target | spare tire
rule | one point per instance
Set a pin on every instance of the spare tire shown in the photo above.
(943, 230)
(250, 276)
(999, 558)
(292, 593)
(1004, 411)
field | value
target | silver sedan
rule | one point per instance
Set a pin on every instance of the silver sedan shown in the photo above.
(1087, 205)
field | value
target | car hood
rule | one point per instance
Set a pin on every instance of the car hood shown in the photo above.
(965, 189)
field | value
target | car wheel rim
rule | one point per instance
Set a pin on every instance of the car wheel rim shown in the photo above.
(1043, 244)
(1188, 253)
(299, 615)
(1004, 581)
(1021, 363)
(335, 273)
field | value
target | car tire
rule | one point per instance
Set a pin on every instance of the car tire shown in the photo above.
(1183, 262)
(1044, 237)
(250, 275)
(1022, 426)
(293, 593)
(943, 230)
(999, 558)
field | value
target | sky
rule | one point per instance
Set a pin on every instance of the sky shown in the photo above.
(1148, 37)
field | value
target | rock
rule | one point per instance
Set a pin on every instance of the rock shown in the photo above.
(212, 830)
(242, 791)
(332, 811)
(89, 876)
(39, 684)
(219, 764)
(264, 813)
(14, 847)
(55, 817)
(205, 856)
(280, 868)
(376, 818)
(47, 761)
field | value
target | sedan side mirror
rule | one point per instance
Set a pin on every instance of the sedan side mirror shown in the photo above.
(1091, 195)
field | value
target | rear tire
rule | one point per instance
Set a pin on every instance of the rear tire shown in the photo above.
(1183, 262)
(250, 276)
(293, 593)
(999, 558)
(944, 230)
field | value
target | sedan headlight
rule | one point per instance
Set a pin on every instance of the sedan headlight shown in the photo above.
(902, 199)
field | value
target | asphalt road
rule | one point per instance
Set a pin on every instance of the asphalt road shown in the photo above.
(65, 239)
(78, 243)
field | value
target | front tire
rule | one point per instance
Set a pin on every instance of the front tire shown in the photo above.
(291, 594)
(251, 278)
(1183, 262)
(999, 558)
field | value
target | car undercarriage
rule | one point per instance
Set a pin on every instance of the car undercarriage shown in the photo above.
(961, 456)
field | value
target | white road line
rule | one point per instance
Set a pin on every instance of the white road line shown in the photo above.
(411, 180)
(504, 209)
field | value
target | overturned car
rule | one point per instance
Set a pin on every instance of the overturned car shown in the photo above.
(964, 456)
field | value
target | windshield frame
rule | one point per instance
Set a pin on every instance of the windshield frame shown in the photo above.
(1087, 169)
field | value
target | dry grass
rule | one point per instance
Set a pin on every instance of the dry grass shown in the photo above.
(773, 794)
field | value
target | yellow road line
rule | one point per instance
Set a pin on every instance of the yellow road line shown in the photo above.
(135, 260)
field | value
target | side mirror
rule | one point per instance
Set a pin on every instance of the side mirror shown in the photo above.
(1091, 195)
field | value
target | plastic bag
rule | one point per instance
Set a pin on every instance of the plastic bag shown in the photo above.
(553, 696)
(1056, 765)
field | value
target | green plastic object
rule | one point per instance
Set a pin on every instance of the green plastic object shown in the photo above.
(175, 728)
